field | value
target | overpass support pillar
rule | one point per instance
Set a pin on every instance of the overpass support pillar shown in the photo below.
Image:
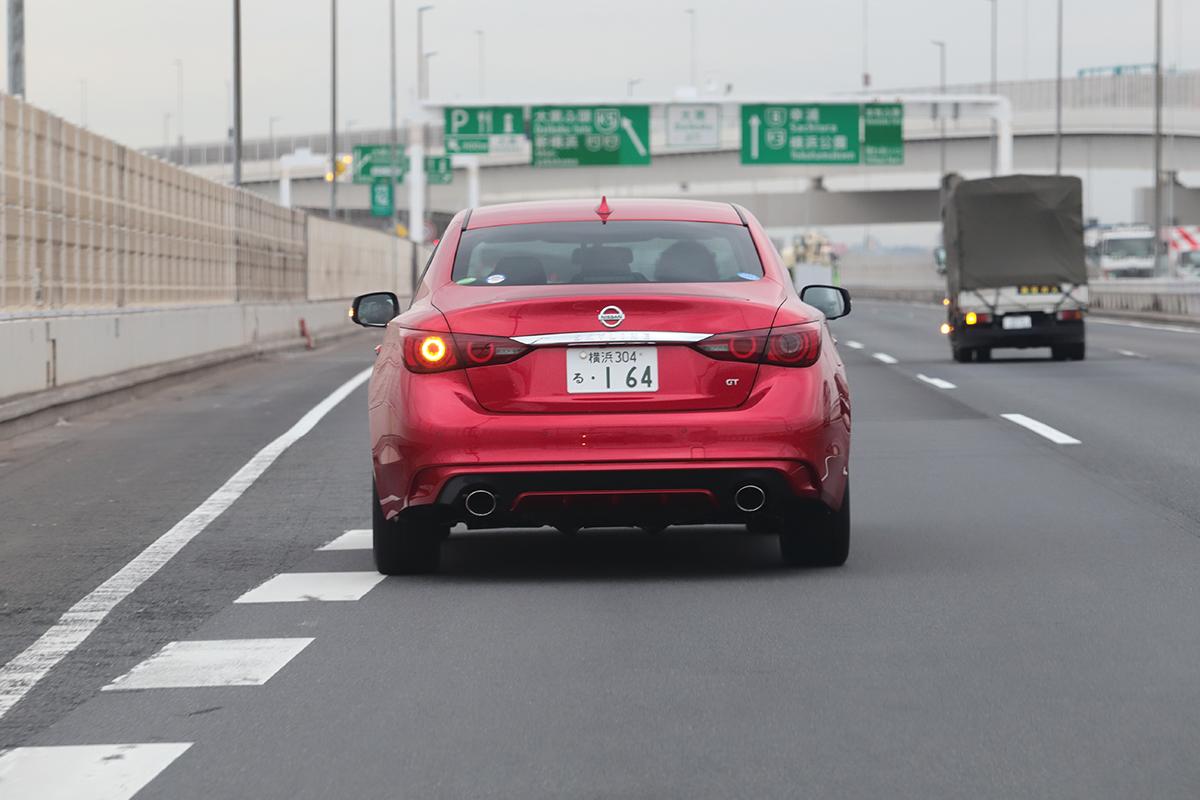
(1002, 113)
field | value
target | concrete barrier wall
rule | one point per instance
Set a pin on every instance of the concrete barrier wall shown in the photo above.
(48, 352)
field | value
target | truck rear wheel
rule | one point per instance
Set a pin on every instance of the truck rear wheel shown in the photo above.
(961, 354)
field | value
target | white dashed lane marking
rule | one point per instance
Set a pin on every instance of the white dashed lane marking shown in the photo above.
(358, 539)
(1130, 354)
(938, 382)
(885, 358)
(1041, 429)
(222, 662)
(299, 587)
(91, 772)
(28, 668)
(853, 345)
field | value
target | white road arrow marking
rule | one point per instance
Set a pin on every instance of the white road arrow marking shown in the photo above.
(754, 123)
(633, 137)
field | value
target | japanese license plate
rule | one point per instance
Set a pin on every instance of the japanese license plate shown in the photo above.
(1016, 322)
(592, 370)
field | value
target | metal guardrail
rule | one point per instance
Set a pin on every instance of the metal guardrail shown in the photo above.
(1150, 298)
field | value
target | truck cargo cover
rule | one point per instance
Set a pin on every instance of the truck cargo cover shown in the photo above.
(1012, 231)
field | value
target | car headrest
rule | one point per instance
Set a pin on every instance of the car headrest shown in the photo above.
(520, 270)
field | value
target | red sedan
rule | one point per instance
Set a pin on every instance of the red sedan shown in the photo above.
(640, 362)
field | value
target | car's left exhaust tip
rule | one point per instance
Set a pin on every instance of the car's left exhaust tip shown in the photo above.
(480, 503)
(750, 498)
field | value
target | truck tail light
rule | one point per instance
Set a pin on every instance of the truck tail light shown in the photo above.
(977, 318)
(1070, 314)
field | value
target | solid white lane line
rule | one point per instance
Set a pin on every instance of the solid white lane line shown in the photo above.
(1149, 326)
(1041, 428)
(21, 674)
(88, 772)
(885, 358)
(358, 539)
(938, 382)
(853, 345)
(1130, 354)
(221, 662)
(299, 587)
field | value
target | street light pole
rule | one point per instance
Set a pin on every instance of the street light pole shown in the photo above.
(393, 133)
(994, 83)
(16, 47)
(333, 163)
(167, 136)
(1158, 175)
(479, 37)
(1058, 96)
(179, 112)
(629, 84)
(237, 92)
(941, 46)
(691, 12)
(417, 195)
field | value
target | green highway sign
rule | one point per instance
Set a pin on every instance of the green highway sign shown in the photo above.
(479, 130)
(381, 197)
(377, 161)
(371, 166)
(883, 133)
(438, 170)
(800, 134)
(584, 136)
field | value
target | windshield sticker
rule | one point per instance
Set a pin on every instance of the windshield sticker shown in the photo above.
(495, 278)
(465, 281)
(747, 276)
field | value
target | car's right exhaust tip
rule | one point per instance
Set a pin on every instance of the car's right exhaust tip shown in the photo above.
(750, 498)
(480, 503)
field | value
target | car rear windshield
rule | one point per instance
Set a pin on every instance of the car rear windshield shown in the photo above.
(618, 252)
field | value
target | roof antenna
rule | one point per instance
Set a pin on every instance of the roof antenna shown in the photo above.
(603, 211)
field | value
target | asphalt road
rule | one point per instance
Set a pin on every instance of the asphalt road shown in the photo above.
(1019, 617)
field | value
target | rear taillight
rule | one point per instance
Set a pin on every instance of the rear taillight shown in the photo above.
(977, 318)
(790, 346)
(1070, 314)
(438, 352)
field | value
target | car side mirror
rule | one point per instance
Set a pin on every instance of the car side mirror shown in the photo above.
(939, 259)
(375, 310)
(834, 301)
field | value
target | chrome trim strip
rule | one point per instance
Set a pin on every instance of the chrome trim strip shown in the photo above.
(611, 337)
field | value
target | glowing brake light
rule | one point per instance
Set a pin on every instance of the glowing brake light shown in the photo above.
(788, 346)
(438, 352)
(972, 318)
(946, 327)
(980, 318)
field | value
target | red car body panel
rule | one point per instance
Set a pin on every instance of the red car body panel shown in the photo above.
(434, 433)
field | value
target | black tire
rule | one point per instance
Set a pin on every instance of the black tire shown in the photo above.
(817, 536)
(983, 354)
(961, 354)
(1058, 352)
(408, 544)
(1077, 352)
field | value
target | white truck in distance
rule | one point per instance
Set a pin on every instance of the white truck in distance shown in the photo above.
(1121, 251)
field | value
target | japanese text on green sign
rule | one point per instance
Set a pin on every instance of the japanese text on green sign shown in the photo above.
(574, 136)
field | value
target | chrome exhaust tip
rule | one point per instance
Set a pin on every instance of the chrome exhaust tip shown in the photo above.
(750, 498)
(480, 503)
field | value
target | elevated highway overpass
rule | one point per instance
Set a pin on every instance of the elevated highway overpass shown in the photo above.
(1107, 126)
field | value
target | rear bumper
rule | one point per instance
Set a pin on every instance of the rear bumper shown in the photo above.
(1046, 332)
(631, 493)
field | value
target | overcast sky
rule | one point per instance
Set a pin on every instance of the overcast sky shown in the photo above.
(552, 49)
